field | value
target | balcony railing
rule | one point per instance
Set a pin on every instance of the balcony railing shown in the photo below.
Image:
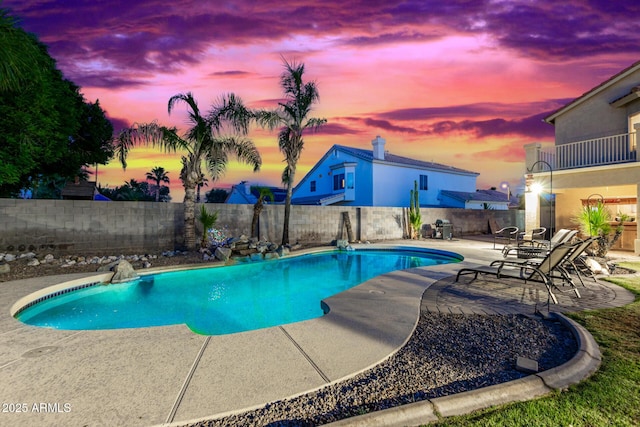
(593, 152)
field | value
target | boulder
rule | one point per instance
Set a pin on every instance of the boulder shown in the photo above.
(595, 266)
(222, 254)
(271, 255)
(123, 272)
(4, 268)
(342, 243)
(283, 251)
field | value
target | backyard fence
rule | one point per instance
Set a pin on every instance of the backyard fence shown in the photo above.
(73, 226)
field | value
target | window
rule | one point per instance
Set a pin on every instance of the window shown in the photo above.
(338, 181)
(424, 182)
(312, 186)
(350, 180)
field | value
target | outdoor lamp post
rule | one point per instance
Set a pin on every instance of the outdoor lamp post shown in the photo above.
(531, 185)
(505, 186)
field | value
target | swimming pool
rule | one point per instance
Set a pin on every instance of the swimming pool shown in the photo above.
(223, 300)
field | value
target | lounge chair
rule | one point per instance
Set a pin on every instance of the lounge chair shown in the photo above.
(538, 248)
(570, 262)
(540, 273)
(505, 234)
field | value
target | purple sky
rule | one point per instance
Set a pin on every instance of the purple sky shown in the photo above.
(464, 83)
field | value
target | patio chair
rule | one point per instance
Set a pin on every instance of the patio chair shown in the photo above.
(538, 248)
(529, 272)
(536, 236)
(505, 234)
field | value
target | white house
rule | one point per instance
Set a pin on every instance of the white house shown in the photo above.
(355, 177)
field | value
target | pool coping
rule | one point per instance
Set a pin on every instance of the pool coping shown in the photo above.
(309, 335)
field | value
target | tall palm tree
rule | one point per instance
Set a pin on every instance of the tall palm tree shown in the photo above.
(203, 181)
(158, 175)
(292, 118)
(203, 142)
(263, 193)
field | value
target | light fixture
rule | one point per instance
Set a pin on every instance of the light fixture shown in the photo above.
(537, 188)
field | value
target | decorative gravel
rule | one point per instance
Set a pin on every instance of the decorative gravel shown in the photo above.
(447, 354)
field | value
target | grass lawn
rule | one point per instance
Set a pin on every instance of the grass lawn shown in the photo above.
(611, 397)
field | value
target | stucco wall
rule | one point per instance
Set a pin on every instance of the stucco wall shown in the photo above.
(579, 124)
(127, 227)
(392, 184)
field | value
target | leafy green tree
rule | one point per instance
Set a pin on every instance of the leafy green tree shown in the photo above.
(263, 193)
(46, 127)
(158, 175)
(203, 142)
(292, 117)
(20, 58)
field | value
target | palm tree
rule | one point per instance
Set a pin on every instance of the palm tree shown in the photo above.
(158, 175)
(292, 118)
(208, 220)
(203, 181)
(202, 143)
(132, 190)
(264, 193)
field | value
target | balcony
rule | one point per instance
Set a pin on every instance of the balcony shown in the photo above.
(607, 150)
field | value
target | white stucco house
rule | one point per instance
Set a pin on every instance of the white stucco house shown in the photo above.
(594, 158)
(356, 177)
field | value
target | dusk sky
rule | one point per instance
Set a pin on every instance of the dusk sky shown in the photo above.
(464, 83)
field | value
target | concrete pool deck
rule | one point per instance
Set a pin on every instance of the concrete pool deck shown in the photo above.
(163, 375)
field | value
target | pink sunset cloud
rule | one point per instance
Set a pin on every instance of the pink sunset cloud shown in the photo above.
(457, 82)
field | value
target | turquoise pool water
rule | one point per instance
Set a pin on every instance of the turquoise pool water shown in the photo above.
(224, 300)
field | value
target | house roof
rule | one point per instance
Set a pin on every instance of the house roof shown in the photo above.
(279, 194)
(481, 196)
(367, 155)
(80, 189)
(592, 92)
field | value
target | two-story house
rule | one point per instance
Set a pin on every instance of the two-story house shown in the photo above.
(357, 177)
(594, 157)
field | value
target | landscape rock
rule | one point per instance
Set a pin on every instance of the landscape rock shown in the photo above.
(596, 267)
(4, 268)
(222, 253)
(124, 272)
(271, 255)
(282, 251)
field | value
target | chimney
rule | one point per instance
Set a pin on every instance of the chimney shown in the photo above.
(247, 187)
(378, 148)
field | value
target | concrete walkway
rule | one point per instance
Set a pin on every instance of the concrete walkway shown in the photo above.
(163, 375)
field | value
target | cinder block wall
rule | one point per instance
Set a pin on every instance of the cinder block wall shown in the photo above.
(68, 226)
